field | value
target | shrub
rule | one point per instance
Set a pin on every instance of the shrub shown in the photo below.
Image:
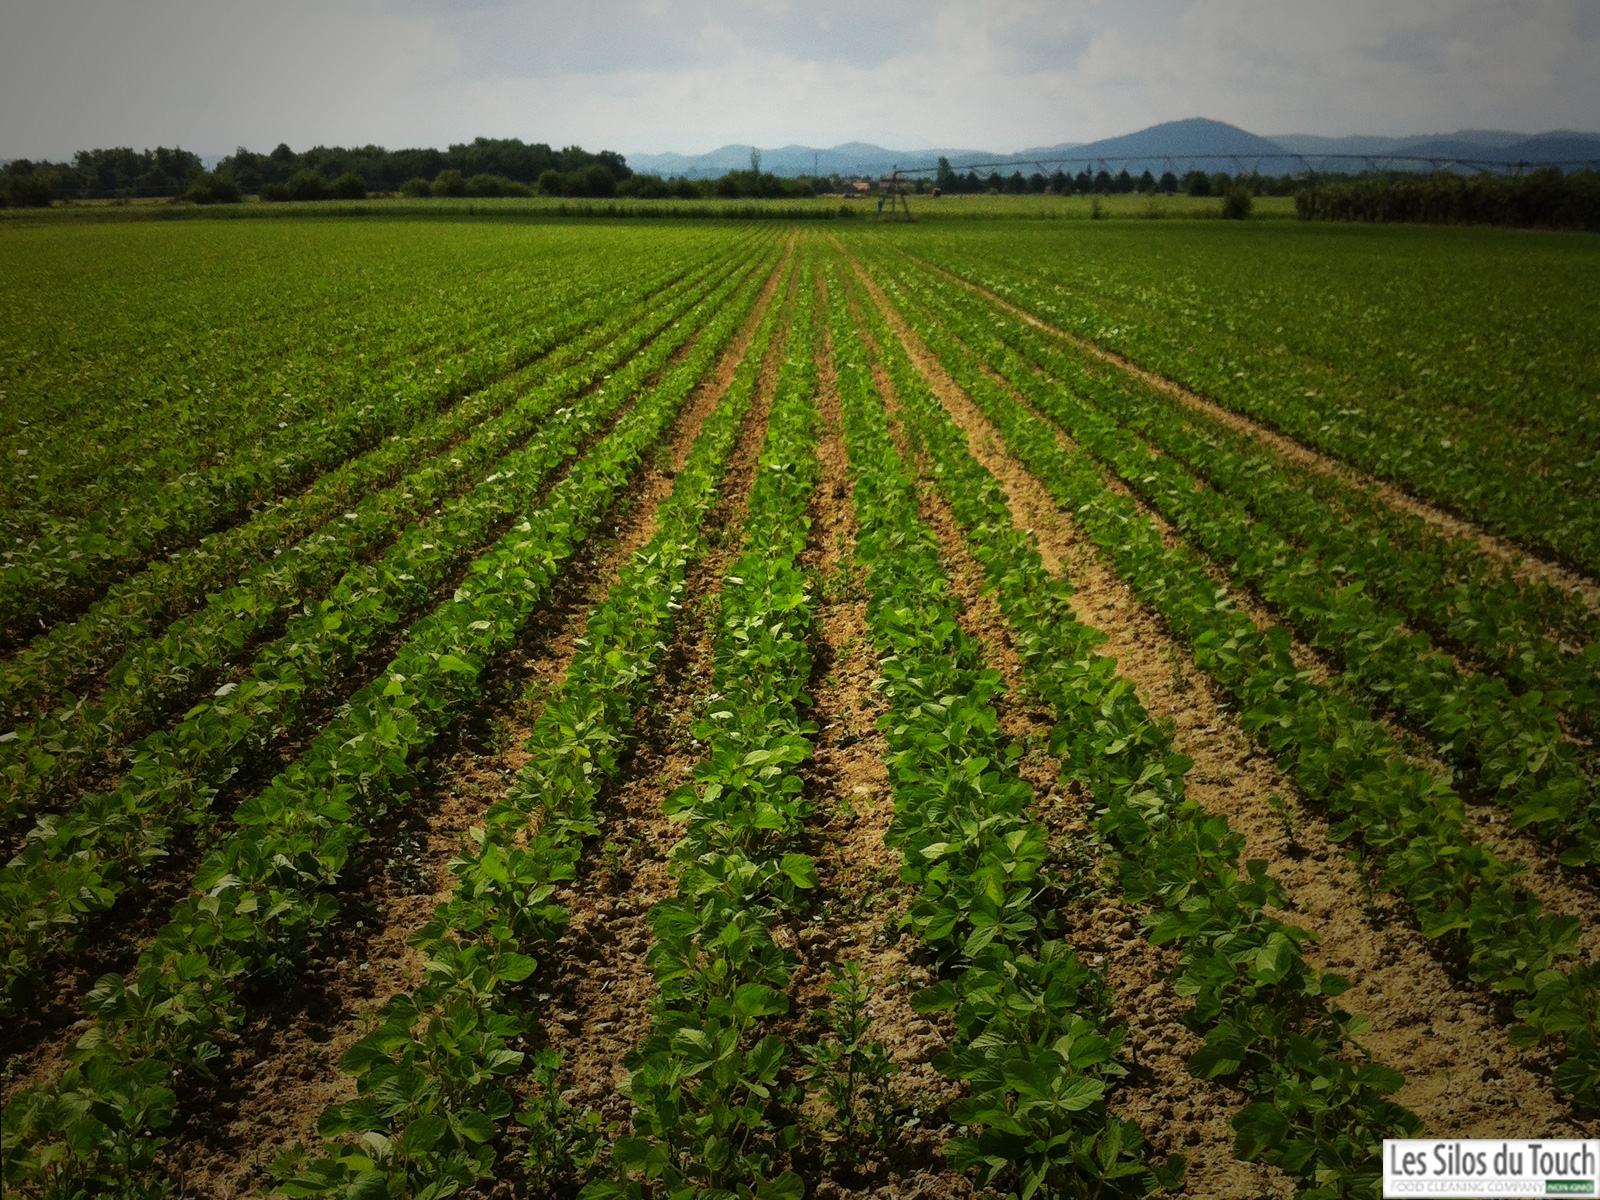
(275, 193)
(449, 183)
(645, 187)
(306, 185)
(416, 188)
(594, 181)
(348, 186)
(209, 188)
(550, 183)
(1236, 203)
(35, 190)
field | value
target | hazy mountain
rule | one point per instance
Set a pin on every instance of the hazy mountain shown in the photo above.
(1310, 143)
(851, 158)
(1561, 145)
(1173, 145)
(1472, 145)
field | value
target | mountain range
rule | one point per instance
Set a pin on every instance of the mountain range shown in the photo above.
(1159, 148)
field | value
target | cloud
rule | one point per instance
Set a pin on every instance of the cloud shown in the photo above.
(692, 74)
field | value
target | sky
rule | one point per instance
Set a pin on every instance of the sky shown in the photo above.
(691, 75)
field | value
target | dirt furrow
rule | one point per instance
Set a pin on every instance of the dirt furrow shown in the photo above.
(859, 899)
(1525, 565)
(599, 985)
(1434, 1029)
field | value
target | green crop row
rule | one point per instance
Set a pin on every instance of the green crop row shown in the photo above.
(62, 557)
(1035, 1038)
(262, 896)
(81, 862)
(1319, 1105)
(72, 652)
(43, 758)
(131, 361)
(1441, 583)
(436, 1075)
(1406, 821)
(703, 1081)
(56, 559)
(1458, 373)
(1512, 745)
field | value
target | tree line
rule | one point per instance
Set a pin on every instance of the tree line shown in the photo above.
(484, 167)
(1104, 183)
(318, 173)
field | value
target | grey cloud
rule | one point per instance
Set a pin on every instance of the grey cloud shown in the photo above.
(689, 75)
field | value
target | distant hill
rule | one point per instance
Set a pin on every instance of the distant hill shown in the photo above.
(1164, 147)
(1558, 146)
(851, 158)
(1197, 135)
(1310, 143)
(1171, 145)
(1474, 145)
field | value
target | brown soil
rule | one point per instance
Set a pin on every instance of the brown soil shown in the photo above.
(1525, 565)
(1432, 1028)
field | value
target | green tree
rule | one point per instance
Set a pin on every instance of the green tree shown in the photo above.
(449, 183)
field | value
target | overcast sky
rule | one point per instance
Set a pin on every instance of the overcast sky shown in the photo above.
(690, 75)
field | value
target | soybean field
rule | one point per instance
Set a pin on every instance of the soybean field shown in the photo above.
(751, 709)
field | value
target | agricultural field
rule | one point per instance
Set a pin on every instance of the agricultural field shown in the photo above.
(786, 709)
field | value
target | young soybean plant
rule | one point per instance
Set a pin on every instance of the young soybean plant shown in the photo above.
(851, 1072)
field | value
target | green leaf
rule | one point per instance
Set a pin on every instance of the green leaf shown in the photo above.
(800, 869)
(514, 968)
(424, 1133)
(758, 1000)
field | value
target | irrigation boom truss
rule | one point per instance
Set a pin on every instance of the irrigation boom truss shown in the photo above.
(1251, 163)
